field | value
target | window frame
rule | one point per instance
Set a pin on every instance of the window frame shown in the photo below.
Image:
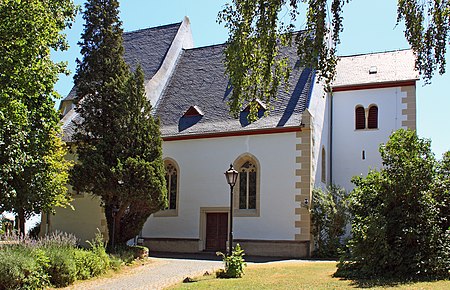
(323, 166)
(358, 116)
(171, 212)
(238, 163)
(369, 111)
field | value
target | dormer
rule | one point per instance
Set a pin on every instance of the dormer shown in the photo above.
(261, 106)
(193, 111)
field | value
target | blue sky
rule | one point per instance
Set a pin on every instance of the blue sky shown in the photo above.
(369, 26)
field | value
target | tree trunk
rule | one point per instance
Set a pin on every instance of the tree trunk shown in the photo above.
(21, 220)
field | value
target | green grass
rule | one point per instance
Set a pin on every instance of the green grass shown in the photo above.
(307, 275)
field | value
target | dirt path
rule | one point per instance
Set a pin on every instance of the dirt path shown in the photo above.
(159, 273)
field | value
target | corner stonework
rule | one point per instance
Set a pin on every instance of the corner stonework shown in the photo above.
(303, 185)
(410, 112)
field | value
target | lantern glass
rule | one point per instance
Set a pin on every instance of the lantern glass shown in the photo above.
(231, 175)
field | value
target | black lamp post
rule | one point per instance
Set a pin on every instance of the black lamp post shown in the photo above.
(231, 176)
(115, 210)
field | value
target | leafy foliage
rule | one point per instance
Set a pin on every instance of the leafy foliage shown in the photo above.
(399, 219)
(329, 217)
(118, 142)
(51, 261)
(257, 30)
(234, 264)
(22, 269)
(33, 172)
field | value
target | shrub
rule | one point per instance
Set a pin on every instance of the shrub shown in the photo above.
(398, 230)
(329, 217)
(234, 264)
(63, 268)
(139, 252)
(34, 231)
(99, 258)
(82, 263)
(23, 268)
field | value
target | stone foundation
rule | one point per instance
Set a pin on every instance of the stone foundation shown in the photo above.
(172, 245)
(267, 248)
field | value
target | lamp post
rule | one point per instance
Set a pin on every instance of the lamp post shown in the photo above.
(115, 210)
(231, 175)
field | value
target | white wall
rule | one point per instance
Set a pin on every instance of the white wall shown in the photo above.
(349, 143)
(202, 165)
(319, 109)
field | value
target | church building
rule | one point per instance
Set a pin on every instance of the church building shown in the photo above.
(309, 139)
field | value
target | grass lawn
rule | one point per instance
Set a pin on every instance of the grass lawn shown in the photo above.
(306, 275)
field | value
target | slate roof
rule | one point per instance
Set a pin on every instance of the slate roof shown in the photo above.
(199, 80)
(392, 66)
(146, 46)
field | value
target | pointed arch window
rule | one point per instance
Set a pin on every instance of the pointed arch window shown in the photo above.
(173, 188)
(372, 120)
(247, 186)
(171, 184)
(360, 118)
(324, 166)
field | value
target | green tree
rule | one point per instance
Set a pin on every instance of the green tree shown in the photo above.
(397, 229)
(256, 34)
(33, 172)
(329, 218)
(118, 141)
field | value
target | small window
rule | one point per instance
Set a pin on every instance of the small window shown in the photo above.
(324, 166)
(171, 185)
(360, 118)
(372, 120)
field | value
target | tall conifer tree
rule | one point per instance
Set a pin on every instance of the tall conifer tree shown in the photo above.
(118, 141)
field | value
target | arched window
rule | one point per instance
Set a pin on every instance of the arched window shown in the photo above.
(372, 120)
(171, 184)
(360, 118)
(324, 166)
(247, 186)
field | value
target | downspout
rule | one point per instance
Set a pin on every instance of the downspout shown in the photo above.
(331, 138)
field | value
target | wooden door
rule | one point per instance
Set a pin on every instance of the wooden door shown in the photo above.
(216, 231)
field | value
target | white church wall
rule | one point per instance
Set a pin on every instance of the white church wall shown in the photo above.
(349, 144)
(319, 109)
(202, 164)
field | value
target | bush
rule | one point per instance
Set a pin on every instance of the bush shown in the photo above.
(82, 261)
(22, 268)
(234, 264)
(63, 268)
(329, 217)
(398, 228)
(54, 261)
(34, 231)
(100, 262)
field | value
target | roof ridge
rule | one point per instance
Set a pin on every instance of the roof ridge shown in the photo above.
(152, 28)
(376, 52)
(204, 47)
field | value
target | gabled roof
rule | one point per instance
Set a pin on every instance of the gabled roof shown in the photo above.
(199, 78)
(147, 47)
(376, 68)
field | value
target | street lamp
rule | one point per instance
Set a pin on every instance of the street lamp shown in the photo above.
(231, 176)
(115, 210)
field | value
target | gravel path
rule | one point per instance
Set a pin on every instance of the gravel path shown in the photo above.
(160, 273)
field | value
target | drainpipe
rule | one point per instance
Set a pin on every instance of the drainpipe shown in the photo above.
(331, 137)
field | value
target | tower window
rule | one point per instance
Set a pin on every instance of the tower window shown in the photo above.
(372, 120)
(360, 118)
